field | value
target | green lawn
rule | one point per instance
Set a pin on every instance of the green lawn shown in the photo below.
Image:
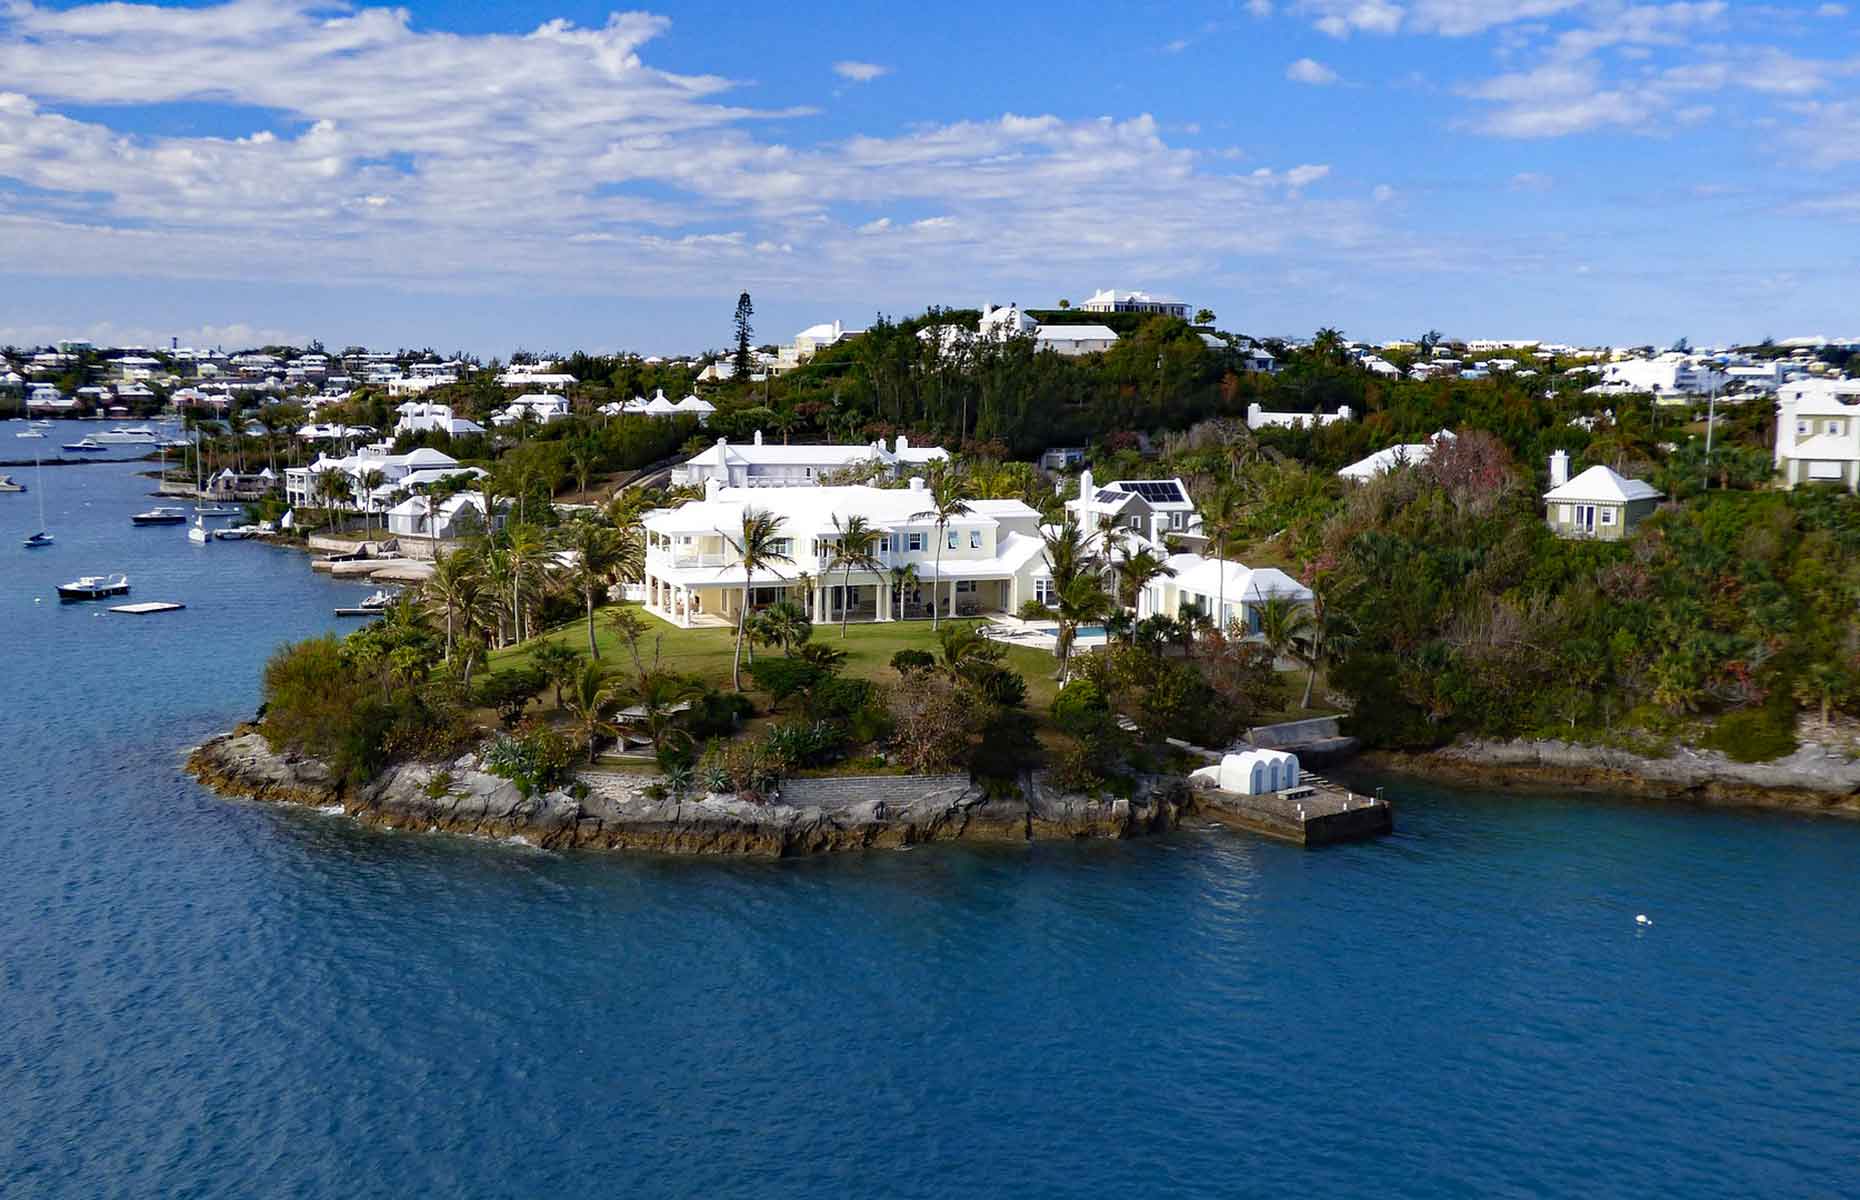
(706, 652)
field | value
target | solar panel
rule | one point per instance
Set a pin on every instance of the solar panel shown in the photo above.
(1109, 495)
(1164, 491)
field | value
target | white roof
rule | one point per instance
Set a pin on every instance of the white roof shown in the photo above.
(1599, 483)
(809, 509)
(1389, 458)
(1075, 333)
(1195, 573)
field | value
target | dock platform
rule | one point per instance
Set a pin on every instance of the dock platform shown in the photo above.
(146, 607)
(1315, 813)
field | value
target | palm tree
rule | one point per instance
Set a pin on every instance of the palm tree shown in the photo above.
(602, 553)
(854, 549)
(1287, 627)
(946, 504)
(1080, 601)
(583, 458)
(1137, 572)
(331, 487)
(526, 548)
(786, 625)
(757, 549)
(370, 479)
(592, 695)
(1220, 517)
(455, 587)
(661, 696)
(902, 576)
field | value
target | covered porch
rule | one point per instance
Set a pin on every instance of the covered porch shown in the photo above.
(870, 600)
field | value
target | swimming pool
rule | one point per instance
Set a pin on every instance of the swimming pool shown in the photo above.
(1084, 631)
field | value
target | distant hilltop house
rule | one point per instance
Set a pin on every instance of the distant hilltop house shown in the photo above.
(660, 406)
(809, 342)
(1000, 322)
(1599, 503)
(1258, 417)
(539, 406)
(765, 465)
(1110, 300)
(1818, 433)
(541, 376)
(1672, 374)
(1391, 458)
(436, 418)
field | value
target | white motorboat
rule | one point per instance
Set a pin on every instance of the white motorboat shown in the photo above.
(29, 433)
(237, 533)
(86, 446)
(8, 485)
(198, 533)
(374, 606)
(216, 510)
(160, 516)
(127, 435)
(94, 587)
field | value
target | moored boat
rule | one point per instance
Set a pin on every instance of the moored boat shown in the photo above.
(199, 534)
(159, 516)
(94, 587)
(38, 540)
(7, 484)
(373, 606)
(126, 435)
(87, 446)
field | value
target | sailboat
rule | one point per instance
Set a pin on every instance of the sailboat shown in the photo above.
(200, 535)
(40, 538)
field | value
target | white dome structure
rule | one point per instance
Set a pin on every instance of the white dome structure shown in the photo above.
(1253, 772)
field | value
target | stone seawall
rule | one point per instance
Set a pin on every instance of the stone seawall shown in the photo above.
(1812, 779)
(618, 812)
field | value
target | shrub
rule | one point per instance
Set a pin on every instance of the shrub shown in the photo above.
(718, 714)
(912, 662)
(780, 678)
(1756, 734)
(1033, 610)
(510, 692)
(1080, 705)
(801, 744)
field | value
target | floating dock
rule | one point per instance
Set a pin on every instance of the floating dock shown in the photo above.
(147, 607)
(1315, 813)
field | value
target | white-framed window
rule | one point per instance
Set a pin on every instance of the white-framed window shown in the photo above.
(1043, 590)
(1608, 516)
(1177, 520)
(914, 541)
(954, 538)
(1834, 426)
(975, 539)
(1802, 428)
(1136, 522)
(884, 543)
(964, 585)
(783, 547)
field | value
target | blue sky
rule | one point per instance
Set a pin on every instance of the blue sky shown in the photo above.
(491, 176)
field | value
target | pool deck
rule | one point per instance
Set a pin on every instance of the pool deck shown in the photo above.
(1038, 634)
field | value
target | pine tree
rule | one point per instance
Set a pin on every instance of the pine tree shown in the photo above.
(744, 331)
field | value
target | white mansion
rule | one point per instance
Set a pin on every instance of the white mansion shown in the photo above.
(992, 558)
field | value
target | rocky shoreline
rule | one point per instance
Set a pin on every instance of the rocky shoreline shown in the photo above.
(617, 813)
(1813, 779)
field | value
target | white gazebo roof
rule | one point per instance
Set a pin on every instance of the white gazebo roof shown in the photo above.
(1599, 484)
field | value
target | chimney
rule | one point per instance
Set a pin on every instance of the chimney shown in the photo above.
(758, 437)
(711, 484)
(1085, 488)
(917, 483)
(1559, 468)
(904, 443)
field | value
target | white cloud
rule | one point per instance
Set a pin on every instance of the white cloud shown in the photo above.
(1310, 70)
(859, 72)
(1532, 181)
(1831, 10)
(1383, 193)
(472, 163)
